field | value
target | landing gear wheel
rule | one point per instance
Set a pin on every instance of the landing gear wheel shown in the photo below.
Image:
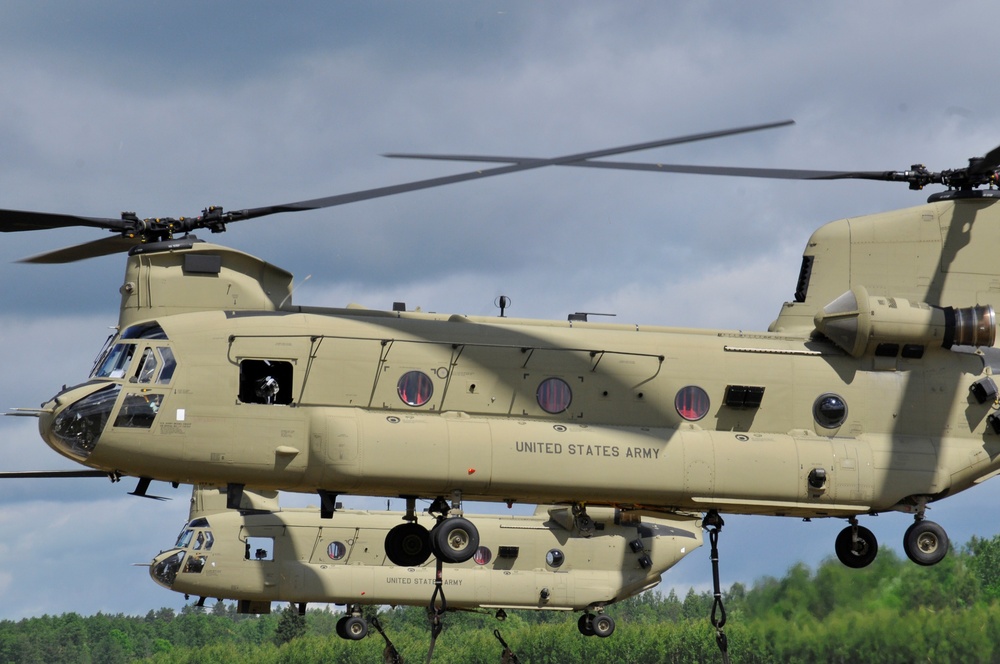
(603, 625)
(455, 539)
(925, 543)
(586, 624)
(408, 545)
(859, 553)
(352, 628)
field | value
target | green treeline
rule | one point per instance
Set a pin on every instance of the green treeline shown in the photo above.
(892, 611)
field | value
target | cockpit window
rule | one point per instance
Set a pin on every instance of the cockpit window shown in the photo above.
(184, 538)
(147, 367)
(150, 330)
(138, 410)
(169, 364)
(115, 362)
(77, 429)
(203, 540)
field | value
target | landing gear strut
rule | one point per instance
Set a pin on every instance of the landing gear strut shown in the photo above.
(408, 544)
(856, 546)
(596, 624)
(925, 542)
(454, 539)
(352, 626)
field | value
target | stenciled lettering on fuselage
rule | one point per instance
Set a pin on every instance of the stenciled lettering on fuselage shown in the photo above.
(579, 449)
(418, 581)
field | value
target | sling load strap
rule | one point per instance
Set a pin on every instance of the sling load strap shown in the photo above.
(390, 655)
(507, 656)
(713, 524)
(435, 611)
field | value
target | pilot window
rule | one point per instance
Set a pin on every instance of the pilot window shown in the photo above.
(115, 361)
(169, 364)
(194, 564)
(146, 370)
(266, 381)
(155, 365)
(138, 411)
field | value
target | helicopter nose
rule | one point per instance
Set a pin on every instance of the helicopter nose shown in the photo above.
(74, 426)
(165, 567)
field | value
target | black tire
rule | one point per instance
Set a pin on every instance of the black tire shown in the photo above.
(340, 627)
(603, 625)
(455, 539)
(408, 545)
(355, 628)
(856, 554)
(925, 543)
(586, 624)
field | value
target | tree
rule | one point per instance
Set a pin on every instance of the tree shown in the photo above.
(291, 625)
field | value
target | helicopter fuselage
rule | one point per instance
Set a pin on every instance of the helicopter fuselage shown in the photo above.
(408, 403)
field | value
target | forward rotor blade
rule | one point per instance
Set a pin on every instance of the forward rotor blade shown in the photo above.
(215, 219)
(23, 220)
(520, 165)
(51, 474)
(987, 163)
(78, 252)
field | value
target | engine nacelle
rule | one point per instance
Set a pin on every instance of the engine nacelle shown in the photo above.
(856, 320)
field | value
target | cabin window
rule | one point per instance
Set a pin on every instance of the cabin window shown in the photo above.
(830, 411)
(691, 403)
(415, 388)
(554, 395)
(266, 381)
(336, 550)
(555, 558)
(483, 555)
(260, 548)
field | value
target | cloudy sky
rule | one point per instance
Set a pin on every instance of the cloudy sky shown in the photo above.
(165, 108)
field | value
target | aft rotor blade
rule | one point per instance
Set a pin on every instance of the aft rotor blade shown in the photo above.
(738, 171)
(520, 165)
(776, 173)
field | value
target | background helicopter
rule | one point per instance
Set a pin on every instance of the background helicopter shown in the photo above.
(890, 115)
(541, 562)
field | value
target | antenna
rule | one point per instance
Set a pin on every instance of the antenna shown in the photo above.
(289, 296)
(503, 302)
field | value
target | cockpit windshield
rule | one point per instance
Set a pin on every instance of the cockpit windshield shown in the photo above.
(116, 355)
(115, 361)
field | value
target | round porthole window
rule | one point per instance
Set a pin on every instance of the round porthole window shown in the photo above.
(554, 395)
(691, 403)
(830, 411)
(482, 556)
(336, 550)
(415, 388)
(555, 558)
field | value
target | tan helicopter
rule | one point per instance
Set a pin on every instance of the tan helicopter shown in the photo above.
(870, 392)
(263, 554)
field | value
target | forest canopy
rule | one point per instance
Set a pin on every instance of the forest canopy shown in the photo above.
(892, 611)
